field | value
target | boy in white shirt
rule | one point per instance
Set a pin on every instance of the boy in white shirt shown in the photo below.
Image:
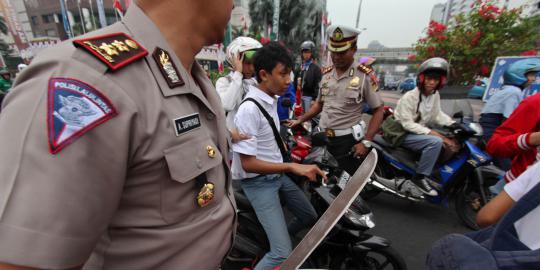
(258, 162)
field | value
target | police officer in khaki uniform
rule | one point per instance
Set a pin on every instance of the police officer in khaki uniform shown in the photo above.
(115, 148)
(345, 89)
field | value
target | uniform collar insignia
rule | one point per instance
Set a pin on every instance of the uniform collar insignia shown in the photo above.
(351, 72)
(115, 50)
(167, 67)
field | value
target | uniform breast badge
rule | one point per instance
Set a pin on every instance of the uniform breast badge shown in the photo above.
(206, 190)
(354, 83)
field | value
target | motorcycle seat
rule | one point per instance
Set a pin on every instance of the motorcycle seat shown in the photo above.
(405, 156)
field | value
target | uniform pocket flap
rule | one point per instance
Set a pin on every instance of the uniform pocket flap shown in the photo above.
(192, 158)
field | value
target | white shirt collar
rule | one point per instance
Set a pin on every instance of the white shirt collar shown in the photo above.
(254, 91)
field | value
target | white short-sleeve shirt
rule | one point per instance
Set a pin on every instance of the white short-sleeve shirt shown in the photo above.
(250, 120)
(526, 227)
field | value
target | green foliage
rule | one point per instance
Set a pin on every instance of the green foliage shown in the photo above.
(473, 41)
(299, 20)
(215, 74)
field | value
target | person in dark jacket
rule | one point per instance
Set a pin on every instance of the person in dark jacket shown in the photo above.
(308, 76)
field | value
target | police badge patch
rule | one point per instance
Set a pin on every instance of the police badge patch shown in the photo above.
(74, 108)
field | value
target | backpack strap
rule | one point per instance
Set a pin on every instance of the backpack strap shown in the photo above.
(277, 137)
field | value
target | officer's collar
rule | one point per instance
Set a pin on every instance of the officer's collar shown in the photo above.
(349, 73)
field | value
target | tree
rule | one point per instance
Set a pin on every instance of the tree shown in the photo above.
(6, 52)
(473, 42)
(299, 20)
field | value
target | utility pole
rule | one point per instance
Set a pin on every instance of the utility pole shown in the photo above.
(81, 17)
(65, 19)
(275, 21)
(358, 14)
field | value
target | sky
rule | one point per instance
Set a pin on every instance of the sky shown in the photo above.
(394, 23)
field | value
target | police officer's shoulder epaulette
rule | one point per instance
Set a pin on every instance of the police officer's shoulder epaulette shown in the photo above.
(115, 50)
(327, 69)
(364, 69)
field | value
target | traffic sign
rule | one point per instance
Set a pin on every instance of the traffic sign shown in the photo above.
(496, 80)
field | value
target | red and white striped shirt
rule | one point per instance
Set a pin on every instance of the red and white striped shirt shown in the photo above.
(511, 139)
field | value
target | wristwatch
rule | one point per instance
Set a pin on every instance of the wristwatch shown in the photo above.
(367, 144)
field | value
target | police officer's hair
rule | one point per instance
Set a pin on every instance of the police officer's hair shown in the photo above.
(268, 57)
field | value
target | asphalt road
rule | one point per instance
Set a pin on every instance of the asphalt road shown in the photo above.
(413, 227)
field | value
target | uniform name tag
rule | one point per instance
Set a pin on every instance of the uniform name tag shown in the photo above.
(186, 123)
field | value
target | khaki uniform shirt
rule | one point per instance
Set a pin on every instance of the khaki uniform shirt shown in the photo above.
(122, 194)
(344, 97)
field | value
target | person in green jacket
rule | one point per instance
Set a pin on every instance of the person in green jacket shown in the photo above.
(5, 81)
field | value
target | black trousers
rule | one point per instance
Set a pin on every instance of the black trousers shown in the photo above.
(342, 149)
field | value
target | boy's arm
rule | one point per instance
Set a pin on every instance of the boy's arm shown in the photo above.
(253, 165)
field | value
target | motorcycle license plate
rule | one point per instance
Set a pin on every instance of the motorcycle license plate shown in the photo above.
(343, 179)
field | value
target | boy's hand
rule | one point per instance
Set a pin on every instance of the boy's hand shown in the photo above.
(309, 171)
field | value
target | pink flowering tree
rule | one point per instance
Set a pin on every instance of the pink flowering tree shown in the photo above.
(473, 41)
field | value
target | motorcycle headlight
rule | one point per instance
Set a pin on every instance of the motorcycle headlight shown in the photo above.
(366, 220)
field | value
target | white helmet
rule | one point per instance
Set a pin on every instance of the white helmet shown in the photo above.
(21, 66)
(240, 45)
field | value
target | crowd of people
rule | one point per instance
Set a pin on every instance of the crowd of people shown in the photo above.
(120, 148)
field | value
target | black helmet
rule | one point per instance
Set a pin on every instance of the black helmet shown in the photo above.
(307, 45)
(436, 65)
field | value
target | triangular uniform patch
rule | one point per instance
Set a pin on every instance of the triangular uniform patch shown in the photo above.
(74, 108)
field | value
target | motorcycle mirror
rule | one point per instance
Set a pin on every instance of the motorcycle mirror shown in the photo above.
(458, 115)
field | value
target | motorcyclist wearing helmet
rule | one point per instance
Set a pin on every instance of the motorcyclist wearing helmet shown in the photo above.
(419, 109)
(519, 136)
(233, 87)
(309, 74)
(499, 107)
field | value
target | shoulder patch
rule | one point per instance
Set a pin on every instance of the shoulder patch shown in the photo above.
(364, 69)
(373, 77)
(327, 69)
(74, 108)
(115, 50)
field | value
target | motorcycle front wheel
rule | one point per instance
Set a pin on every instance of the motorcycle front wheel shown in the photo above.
(386, 258)
(468, 202)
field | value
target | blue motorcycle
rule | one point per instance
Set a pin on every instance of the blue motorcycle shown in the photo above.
(465, 178)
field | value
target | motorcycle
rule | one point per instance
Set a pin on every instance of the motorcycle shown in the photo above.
(466, 177)
(347, 246)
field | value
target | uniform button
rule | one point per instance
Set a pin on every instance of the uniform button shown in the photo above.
(211, 151)
(210, 116)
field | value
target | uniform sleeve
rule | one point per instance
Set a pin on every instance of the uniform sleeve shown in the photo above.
(230, 92)
(405, 113)
(511, 104)
(372, 98)
(247, 121)
(55, 207)
(525, 182)
(512, 136)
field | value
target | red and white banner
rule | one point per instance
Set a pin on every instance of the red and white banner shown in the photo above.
(13, 24)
